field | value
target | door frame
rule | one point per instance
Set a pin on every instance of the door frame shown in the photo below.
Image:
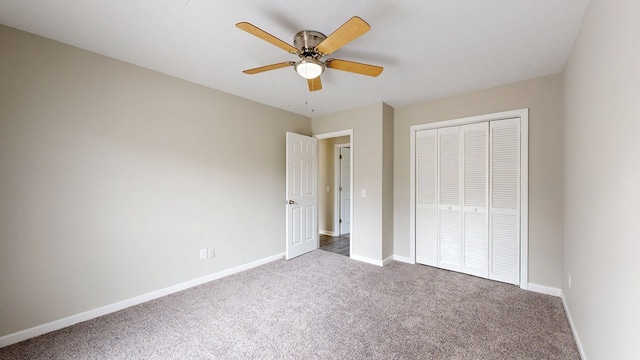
(337, 173)
(523, 114)
(335, 134)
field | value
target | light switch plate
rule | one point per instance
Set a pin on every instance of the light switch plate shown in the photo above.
(363, 193)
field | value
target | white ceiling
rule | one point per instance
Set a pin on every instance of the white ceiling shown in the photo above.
(428, 48)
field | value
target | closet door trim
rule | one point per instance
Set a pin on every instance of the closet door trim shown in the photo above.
(523, 115)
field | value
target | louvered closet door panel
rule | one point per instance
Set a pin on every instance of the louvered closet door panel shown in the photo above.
(504, 221)
(475, 198)
(449, 198)
(426, 197)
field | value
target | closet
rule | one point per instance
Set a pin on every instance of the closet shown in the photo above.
(467, 198)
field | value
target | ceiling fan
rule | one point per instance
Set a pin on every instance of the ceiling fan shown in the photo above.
(311, 46)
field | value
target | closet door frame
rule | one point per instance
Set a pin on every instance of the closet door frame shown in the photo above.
(523, 115)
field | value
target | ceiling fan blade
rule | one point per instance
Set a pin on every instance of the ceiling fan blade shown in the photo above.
(346, 33)
(315, 84)
(268, 67)
(354, 67)
(256, 31)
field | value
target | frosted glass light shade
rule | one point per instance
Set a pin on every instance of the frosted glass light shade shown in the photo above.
(309, 69)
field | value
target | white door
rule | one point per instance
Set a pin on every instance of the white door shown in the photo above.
(345, 190)
(302, 194)
(449, 214)
(475, 191)
(427, 197)
(452, 222)
(504, 221)
(470, 198)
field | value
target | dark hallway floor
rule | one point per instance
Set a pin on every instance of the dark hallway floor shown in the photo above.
(335, 244)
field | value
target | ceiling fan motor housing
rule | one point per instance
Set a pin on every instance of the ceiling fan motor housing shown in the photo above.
(306, 41)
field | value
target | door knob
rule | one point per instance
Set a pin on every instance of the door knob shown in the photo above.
(290, 202)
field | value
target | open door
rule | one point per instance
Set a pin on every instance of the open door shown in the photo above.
(302, 194)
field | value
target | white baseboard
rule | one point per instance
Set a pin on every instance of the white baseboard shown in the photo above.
(367, 260)
(386, 261)
(327, 232)
(373, 261)
(573, 328)
(544, 289)
(91, 314)
(403, 259)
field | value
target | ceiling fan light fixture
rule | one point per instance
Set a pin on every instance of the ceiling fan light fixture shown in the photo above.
(309, 68)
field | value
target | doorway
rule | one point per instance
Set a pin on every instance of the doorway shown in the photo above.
(335, 207)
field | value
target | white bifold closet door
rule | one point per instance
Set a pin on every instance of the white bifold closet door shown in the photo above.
(475, 198)
(504, 212)
(467, 199)
(463, 198)
(427, 197)
(449, 192)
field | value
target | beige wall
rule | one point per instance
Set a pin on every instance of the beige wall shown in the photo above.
(112, 177)
(543, 97)
(602, 181)
(326, 176)
(367, 148)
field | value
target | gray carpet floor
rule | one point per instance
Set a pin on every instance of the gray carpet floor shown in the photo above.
(324, 306)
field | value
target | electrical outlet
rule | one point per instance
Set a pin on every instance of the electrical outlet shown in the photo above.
(212, 252)
(203, 254)
(569, 282)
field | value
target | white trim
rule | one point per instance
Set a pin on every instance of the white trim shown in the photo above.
(336, 187)
(367, 260)
(403, 259)
(104, 310)
(412, 194)
(473, 119)
(573, 327)
(334, 134)
(386, 261)
(347, 132)
(523, 114)
(524, 198)
(351, 202)
(542, 289)
(327, 232)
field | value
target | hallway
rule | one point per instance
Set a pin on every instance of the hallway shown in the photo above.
(335, 244)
